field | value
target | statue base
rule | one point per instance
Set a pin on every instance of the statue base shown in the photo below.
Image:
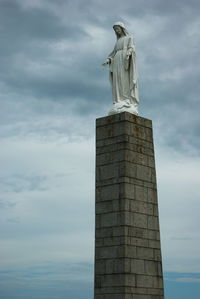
(124, 106)
(128, 263)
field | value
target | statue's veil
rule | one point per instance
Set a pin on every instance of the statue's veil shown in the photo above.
(122, 26)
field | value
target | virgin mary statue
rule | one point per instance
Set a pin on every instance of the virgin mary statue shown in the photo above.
(123, 72)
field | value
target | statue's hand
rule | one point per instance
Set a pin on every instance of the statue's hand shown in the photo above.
(106, 62)
(129, 52)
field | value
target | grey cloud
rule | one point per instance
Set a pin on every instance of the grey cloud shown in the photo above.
(183, 277)
(35, 24)
(78, 270)
(5, 204)
(188, 279)
(48, 280)
(181, 238)
(19, 183)
(153, 7)
(27, 39)
(14, 220)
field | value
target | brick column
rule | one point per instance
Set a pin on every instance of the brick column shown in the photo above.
(127, 239)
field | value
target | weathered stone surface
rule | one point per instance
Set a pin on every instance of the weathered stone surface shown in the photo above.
(124, 117)
(128, 262)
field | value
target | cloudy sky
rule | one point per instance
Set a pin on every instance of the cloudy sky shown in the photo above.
(52, 88)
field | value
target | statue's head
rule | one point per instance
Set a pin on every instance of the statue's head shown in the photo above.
(120, 29)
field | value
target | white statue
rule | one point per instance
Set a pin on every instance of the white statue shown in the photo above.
(123, 72)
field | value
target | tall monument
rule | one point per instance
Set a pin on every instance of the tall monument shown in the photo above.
(128, 262)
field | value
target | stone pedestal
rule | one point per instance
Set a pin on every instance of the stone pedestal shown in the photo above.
(127, 239)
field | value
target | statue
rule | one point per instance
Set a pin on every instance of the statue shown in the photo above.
(123, 72)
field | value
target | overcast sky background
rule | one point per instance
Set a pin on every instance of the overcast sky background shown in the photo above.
(52, 88)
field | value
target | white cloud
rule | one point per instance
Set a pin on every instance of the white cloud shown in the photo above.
(48, 199)
(188, 279)
(178, 186)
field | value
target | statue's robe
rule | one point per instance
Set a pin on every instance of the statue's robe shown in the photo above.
(123, 73)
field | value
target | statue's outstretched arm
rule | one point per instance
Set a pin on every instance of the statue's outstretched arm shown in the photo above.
(110, 57)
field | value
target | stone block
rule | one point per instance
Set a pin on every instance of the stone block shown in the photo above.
(135, 157)
(137, 232)
(109, 219)
(160, 270)
(137, 266)
(149, 185)
(130, 280)
(117, 205)
(139, 142)
(141, 242)
(111, 157)
(108, 171)
(152, 292)
(112, 141)
(157, 255)
(144, 281)
(141, 207)
(139, 220)
(119, 231)
(102, 232)
(154, 244)
(99, 242)
(152, 195)
(144, 173)
(153, 223)
(111, 290)
(100, 267)
(106, 193)
(145, 253)
(114, 266)
(128, 169)
(141, 296)
(158, 235)
(152, 234)
(151, 162)
(130, 251)
(111, 241)
(151, 268)
(117, 129)
(104, 207)
(155, 210)
(153, 175)
(128, 296)
(156, 292)
(125, 240)
(148, 281)
(98, 221)
(139, 148)
(109, 252)
(112, 280)
(102, 121)
(128, 191)
(127, 265)
(137, 120)
(141, 193)
(109, 296)
(137, 131)
(158, 282)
